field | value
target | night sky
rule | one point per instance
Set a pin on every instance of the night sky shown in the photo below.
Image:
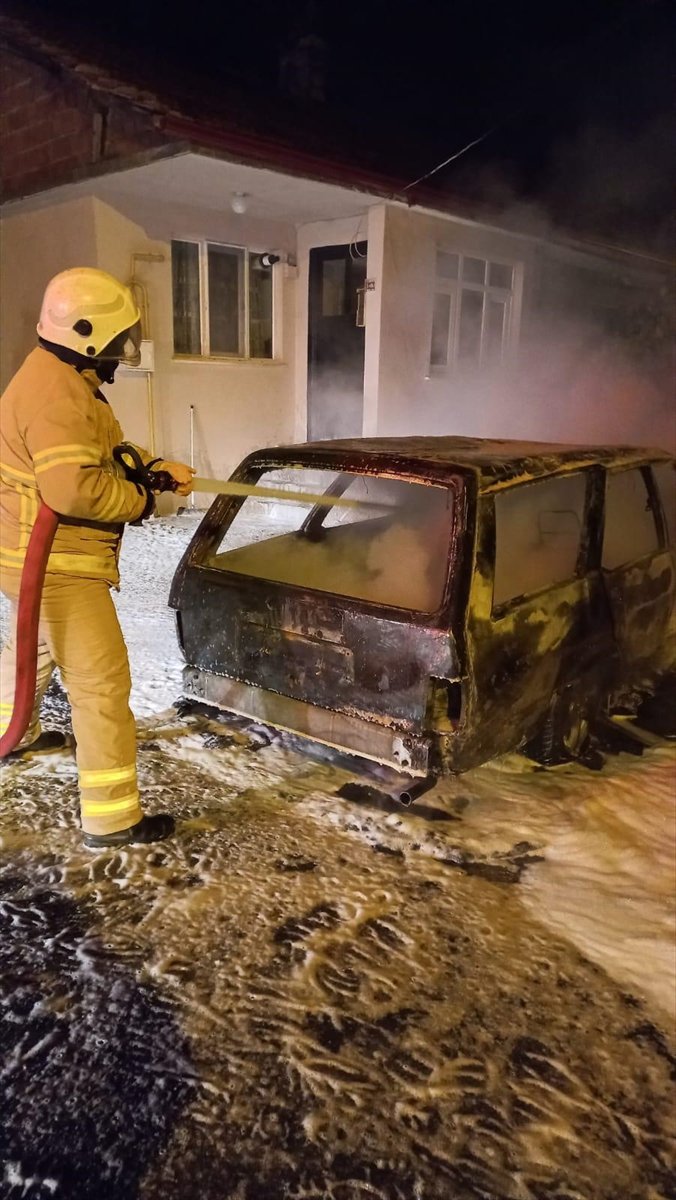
(578, 96)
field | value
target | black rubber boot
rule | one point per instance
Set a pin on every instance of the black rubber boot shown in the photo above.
(148, 829)
(50, 741)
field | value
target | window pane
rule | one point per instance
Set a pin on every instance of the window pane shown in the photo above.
(665, 475)
(334, 272)
(469, 339)
(447, 265)
(473, 270)
(350, 552)
(500, 275)
(185, 280)
(226, 299)
(630, 530)
(260, 309)
(538, 530)
(494, 333)
(440, 323)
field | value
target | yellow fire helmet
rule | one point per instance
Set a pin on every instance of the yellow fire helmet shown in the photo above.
(91, 312)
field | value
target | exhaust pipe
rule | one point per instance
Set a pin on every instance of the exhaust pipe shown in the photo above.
(405, 791)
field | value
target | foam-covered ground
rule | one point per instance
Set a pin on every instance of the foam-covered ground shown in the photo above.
(302, 996)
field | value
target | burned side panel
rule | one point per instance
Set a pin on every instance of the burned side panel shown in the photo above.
(521, 653)
(525, 657)
(642, 599)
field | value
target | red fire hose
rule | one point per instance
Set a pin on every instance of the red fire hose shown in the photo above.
(30, 594)
(28, 616)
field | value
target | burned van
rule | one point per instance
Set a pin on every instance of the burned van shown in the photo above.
(481, 596)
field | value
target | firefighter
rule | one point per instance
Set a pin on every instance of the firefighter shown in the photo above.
(57, 436)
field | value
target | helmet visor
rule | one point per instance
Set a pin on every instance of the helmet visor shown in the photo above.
(125, 348)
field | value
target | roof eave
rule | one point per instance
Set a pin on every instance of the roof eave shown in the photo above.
(256, 150)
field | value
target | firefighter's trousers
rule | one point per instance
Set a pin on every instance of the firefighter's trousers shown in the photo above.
(81, 635)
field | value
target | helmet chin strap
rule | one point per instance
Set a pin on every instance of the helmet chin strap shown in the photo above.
(105, 368)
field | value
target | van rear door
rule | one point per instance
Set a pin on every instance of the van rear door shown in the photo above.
(337, 608)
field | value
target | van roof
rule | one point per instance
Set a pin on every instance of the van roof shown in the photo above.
(495, 462)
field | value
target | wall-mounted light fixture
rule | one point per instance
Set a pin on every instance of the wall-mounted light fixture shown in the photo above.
(239, 202)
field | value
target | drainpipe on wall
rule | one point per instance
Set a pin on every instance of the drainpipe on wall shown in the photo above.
(192, 448)
(140, 293)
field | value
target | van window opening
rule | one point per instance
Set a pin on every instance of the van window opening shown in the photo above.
(630, 530)
(395, 551)
(538, 535)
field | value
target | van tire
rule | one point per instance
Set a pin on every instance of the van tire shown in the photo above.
(563, 734)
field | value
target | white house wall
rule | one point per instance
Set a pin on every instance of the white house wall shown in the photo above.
(34, 247)
(570, 387)
(412, 398)
(239, 405)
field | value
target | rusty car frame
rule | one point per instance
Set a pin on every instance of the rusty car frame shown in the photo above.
(531, 621)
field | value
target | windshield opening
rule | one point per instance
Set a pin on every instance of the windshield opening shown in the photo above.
(392, 548)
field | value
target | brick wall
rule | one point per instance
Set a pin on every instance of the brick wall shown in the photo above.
(52, 126)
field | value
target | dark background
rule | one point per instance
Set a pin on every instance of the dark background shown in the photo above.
(578, 96)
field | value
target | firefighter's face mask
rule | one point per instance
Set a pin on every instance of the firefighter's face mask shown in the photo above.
(125, 348)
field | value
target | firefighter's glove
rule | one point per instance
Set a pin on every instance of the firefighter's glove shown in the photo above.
(181, 474)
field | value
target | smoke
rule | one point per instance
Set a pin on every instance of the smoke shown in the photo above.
(572, 384)
(570, 380)
(605, 180)
(578, 383)
(589, 358)
(335, 403)
(598, 182)
(595, 360)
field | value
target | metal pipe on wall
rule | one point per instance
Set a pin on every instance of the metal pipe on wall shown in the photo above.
(140, 293)
(192, 448)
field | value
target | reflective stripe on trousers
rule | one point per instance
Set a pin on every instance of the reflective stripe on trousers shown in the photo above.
(81, 635)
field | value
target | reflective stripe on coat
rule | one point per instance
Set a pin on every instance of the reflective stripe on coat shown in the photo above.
(56, 444)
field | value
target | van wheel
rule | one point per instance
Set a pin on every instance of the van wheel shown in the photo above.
(564, 733)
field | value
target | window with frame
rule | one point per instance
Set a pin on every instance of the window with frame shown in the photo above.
(222, 301)
(472, 312)
(630, 528)
(539, 530)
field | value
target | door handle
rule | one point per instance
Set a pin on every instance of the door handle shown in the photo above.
(360, 314)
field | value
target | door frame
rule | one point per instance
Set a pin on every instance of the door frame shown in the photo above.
(366, 225)
(347, 342)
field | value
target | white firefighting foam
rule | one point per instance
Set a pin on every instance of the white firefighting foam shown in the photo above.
(234, 1003)
(607, 839)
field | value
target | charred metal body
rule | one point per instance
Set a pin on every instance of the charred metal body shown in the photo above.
(509, 642)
